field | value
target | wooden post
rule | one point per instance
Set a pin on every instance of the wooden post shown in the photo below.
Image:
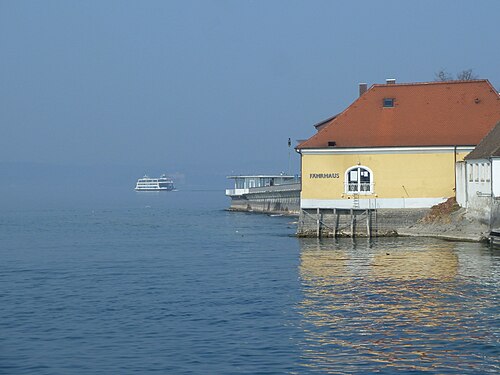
(368, 229)
(336, 218)
(352, 223)
(318, 223)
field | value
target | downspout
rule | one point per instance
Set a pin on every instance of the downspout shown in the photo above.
(455, 169)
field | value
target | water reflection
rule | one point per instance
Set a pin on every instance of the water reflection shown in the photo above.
(396, 305)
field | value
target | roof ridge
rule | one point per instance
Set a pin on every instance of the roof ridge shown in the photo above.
(334, 118)
(326, 120)
(430, 83)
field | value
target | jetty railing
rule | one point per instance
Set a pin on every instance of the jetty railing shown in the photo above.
(275, 188)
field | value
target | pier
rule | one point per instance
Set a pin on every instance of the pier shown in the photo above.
(279, 194)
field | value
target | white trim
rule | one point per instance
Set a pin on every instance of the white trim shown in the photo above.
(372, 203)
(386, 150)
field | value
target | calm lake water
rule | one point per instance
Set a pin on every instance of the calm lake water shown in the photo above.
(173, 284)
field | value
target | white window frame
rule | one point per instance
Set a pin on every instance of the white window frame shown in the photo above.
(358, 191)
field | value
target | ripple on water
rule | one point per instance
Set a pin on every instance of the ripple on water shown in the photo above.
(404, 305)
(197, 291)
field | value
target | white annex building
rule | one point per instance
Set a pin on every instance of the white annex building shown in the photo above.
(478, 180)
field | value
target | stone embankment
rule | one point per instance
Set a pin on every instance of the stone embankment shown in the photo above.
(449, 221)
(446, 220)
(361, 223)
(279, 199)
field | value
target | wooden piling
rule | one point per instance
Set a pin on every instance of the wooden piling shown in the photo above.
(336, 226)
(318, 223)
(368, 227)
(352, 223)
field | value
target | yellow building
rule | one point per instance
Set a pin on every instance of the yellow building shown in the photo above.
(396, 146)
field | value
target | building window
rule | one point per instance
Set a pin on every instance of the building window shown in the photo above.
(388, 102)
(359, 180)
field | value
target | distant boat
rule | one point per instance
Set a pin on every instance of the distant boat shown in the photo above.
(162, 183)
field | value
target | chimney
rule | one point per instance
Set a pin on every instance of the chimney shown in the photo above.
(390, 81)
(362, 88)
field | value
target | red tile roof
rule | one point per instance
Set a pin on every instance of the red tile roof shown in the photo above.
(424, 114)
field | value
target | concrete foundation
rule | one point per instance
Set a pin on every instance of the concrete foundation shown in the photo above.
(283, 199)
(360, 223)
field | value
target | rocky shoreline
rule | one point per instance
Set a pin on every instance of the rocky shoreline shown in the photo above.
(455, 226)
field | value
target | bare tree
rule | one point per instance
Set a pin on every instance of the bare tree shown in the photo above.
(466, 75)
(443, 75)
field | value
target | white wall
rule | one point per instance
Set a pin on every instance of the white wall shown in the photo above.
(495, 168)
(478, 182)
(371, 203)
(460, 183)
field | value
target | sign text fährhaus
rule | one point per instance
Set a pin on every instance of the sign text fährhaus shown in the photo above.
(323, 175)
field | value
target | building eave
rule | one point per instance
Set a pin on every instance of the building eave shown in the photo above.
(385, 150)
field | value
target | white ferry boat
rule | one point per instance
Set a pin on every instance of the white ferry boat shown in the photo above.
(162, 183)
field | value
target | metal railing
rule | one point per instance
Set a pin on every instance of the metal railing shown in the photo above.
(284, 187)
(359, 188)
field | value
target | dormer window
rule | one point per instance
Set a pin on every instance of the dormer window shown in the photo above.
(388, 102)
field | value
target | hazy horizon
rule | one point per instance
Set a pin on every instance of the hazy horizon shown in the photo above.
(204, 89)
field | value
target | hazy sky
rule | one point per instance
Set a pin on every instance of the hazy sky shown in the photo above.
(214, 86)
